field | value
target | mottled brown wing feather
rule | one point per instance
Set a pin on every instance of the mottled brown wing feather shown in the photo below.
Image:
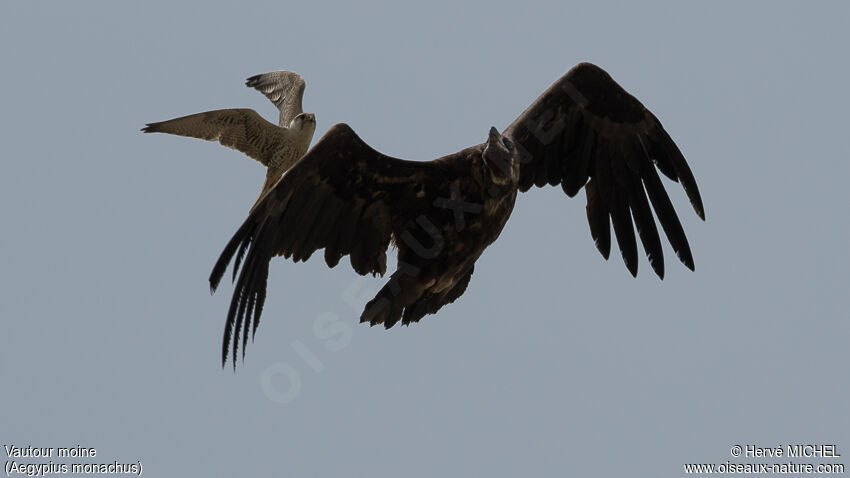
(586, 130)
(342, 196)
(283, 88)
(240, 129)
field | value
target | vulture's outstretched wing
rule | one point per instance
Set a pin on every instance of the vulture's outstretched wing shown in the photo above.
(284, 88)
(240, 129)
(342, 196)
(587, 126)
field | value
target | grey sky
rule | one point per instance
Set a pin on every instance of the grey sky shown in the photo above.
(554, 363)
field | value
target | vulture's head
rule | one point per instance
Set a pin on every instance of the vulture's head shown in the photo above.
(500, 155)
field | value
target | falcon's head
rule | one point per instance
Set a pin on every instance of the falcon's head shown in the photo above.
(304, 121)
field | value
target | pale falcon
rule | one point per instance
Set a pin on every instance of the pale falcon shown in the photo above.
(277, 147)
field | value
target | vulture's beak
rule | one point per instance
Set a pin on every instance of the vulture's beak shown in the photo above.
(494, 135)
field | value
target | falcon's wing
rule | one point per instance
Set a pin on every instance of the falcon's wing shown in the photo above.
(241, 129)
(285, 89)
(342, 196)
(585, 126)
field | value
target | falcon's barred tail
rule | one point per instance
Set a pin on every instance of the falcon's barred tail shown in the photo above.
(273, 175)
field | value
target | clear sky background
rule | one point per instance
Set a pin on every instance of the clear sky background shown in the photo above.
(554, 362)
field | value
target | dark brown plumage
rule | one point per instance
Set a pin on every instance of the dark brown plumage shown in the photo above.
(348, 199)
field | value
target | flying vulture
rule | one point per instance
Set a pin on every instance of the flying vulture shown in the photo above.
(350, 200)
(278, 148)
